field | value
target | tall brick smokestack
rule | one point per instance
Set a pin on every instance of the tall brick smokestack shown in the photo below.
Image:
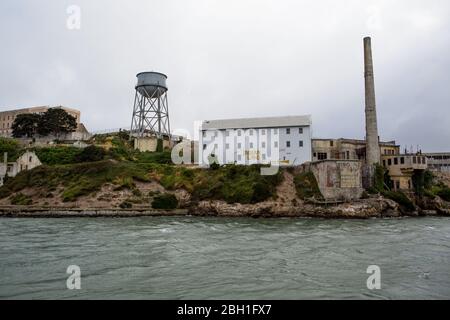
(372, 140)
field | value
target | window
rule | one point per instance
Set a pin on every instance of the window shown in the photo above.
(239, 145)
(348, 155)
(389, 162)
(239, 133)
(300, 130)
(263, 156)
(251, 145)
(263, 144)
(227, 133)
(288, 144)
(263, 132)
(384, 163)
(331, 143)
(30, 159)
(216, 133)
(275, 144)
(204, 147)
(215, 146)
(423, 160)
(275, 131)
(288, 131)
(322, 156)
(239, 157)
(396, 161)
(251, 132)
(300, 144)
(227, 146)
(315, 155)
(204, 134)
(414, 160)
(402, 160)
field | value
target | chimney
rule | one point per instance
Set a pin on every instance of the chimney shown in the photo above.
(372, 140)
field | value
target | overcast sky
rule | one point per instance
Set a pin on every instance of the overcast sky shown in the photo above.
(236, 58)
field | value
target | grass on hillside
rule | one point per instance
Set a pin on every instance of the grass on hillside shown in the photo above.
(232, 183)
(306, 186)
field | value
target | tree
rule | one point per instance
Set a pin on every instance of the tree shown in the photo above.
(25, 125)
(56, 121)
(10, 146)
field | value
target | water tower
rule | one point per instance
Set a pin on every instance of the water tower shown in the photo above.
(151, 107)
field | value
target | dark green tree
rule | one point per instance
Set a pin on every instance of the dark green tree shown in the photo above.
(25, 125)
(56, 121)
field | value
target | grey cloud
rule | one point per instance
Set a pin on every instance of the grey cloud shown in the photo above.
(236, 59)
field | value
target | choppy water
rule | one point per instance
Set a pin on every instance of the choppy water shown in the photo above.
(212, 258)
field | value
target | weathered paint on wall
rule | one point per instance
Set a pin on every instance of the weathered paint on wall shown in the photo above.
(338, 179)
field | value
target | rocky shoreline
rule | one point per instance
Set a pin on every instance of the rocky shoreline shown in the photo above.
(362, 209)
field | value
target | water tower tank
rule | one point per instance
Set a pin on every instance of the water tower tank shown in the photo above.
(151, 84)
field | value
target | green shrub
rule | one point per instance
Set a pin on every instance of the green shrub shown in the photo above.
(21, 200)
(154, 157)
(11, 146)
(124, 183)
(136, 192)
(90, 154)
(372, 190)
(400, 198)
(58, 155)
(444, 193)
(165, 201)
(422, 181)
(365, 195)
(126, 205)
(306, 186)
(379, 177)
(235, 184)
(159, 145)
(121, 151)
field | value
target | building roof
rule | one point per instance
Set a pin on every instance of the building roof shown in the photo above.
(31, 109)
(268, 122)
(431, 154)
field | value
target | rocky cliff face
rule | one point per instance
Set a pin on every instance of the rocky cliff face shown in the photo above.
(288, 204)
(369, 208)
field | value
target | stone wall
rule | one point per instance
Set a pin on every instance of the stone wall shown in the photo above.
(338, 179)
(149, 144)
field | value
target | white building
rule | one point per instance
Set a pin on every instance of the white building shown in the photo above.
(274, 140)
(26, 161)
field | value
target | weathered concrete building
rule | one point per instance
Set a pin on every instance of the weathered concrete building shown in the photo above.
(26, 161)
(401, 168)
(348, 149)
(439, 162)
(284, 141)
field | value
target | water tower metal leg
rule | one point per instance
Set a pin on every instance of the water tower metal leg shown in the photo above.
(150, 114)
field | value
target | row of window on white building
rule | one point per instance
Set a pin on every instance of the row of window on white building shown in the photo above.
(263, 132)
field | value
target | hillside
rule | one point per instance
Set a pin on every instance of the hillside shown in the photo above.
(109, 174)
